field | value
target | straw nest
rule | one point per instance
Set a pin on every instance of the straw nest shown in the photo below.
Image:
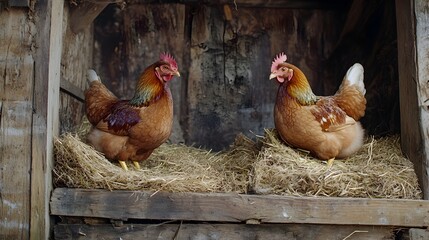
(264, 166)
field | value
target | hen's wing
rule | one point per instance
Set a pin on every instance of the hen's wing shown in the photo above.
(330, 116)
(105, 111)
(98, 102)
(120, 119)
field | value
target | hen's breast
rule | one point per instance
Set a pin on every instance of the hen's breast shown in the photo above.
(155, 125)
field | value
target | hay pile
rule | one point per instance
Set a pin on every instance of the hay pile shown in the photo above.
(264, 167)
(377, 170)
(171, 167)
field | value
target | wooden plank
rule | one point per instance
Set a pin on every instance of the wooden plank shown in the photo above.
(228, 207)
(72, 90)
(413, 48)
(422, 44)
(220, 231)
(16, 91)
(84, 13)
(46, 107)
(76, 59)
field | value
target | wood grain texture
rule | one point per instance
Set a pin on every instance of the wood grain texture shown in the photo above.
(84, 13)
(16, 91)
(238, 208)
(49, 26)
(221, 231)
(413, 48)
(422, 43)
(76, 59)
(228, 88)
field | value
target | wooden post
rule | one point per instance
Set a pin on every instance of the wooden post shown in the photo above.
(16, 97)
(413, 66)
(46, 106)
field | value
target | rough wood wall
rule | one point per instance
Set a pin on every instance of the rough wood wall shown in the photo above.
(76, 59)
(16, 108)
(224, 55)
(413, 53)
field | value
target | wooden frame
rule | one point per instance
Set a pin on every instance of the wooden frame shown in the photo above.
(413, 54)
(37, 105)
(238, 208)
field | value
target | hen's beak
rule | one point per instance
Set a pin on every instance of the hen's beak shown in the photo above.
(176, 73)
(273, 75)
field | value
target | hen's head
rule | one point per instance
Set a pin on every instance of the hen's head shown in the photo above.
(166, 67)
(280, 69)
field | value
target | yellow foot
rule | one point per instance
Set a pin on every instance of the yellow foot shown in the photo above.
(123, 165)
(330, 162)
(137, 165)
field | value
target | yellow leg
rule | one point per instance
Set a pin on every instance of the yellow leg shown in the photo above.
(330, 162)
(123, 165)
(137, 165)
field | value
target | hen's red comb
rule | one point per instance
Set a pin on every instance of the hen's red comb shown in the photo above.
(166, 57)
(281, 58)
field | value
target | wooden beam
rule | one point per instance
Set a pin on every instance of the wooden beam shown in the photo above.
(413, 66)
(221, 231)
(46, 108)
(84, 14)
(73, 90)
(229, 207)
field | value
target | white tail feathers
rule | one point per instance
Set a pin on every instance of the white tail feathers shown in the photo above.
(91, 76)
(355, 77)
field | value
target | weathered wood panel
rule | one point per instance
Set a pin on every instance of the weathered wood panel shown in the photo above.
(413, 54)
(49, 24)
(221, 231)
(227, 51)
(76, 59)
(231, 52)
(16, 91)
(238, 208)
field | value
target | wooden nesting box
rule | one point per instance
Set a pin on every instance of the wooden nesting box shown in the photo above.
(224, 50)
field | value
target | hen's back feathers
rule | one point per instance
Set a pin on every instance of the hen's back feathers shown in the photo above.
(351, 94)
(91, 76)
(99, 99)
(355, 76)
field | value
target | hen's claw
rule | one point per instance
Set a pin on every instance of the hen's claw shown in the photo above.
(123, 165)
(137, 165)
(330, 162)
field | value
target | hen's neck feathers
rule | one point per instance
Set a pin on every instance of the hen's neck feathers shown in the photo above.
(299, 88)
(149, 88)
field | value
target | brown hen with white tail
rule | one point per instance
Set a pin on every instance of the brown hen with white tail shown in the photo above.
(327, 126)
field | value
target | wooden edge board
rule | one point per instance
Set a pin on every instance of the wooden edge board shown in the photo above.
(231, 207)
(73, 90)
(220, 231)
